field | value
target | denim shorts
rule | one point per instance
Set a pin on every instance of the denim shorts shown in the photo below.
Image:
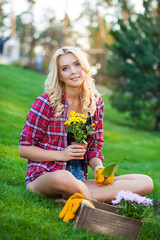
(27, 181)
(77, 170)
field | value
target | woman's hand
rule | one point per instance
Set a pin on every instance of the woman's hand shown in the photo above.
(73, 152)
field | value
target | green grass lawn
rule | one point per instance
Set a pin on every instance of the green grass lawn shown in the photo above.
(28, 216)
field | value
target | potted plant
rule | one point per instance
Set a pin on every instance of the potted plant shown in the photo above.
(133, 205)
(77, 125)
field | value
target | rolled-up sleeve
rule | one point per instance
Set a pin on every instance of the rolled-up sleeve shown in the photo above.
(96, 140)
(37, 121)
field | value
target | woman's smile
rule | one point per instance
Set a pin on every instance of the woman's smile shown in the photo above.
(75, 78)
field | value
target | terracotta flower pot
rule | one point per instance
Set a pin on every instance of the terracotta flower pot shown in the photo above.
(82, 144)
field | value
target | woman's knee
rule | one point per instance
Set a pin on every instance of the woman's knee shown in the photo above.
(148, 184)
(50, 182)
(71, 185)
(140, 183)
(144, 183)
(69, 182)
(61, 179)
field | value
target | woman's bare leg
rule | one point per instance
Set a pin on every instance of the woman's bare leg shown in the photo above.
(137, 183)
(64, 183)
(56, 183)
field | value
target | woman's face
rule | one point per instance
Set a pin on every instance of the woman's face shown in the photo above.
(70, 70)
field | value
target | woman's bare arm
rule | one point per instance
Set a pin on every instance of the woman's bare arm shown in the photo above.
(94, 162)
(38, 154)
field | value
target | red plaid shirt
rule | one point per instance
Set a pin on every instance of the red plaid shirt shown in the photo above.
(44, 130)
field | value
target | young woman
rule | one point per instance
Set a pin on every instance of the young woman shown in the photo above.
(45, 143)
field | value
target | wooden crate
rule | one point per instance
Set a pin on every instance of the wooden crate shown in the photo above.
(104, 220)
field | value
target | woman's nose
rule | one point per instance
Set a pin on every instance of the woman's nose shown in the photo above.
(73, 70)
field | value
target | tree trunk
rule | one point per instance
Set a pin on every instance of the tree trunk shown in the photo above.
(63, 31)
(157, 124)
(13, 23)
(64, 27)
(102, 35)
(31, 54)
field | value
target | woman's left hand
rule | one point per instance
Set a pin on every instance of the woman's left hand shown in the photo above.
(73, 152)
(101, 179)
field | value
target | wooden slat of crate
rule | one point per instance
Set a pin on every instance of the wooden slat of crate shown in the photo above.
(106, 223)
(105, 206)
(100, 205)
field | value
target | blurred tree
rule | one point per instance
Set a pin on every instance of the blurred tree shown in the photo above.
(3, 16)
(64, 26)
(134, 66)
(98, 34)
(147, 4)
(13, 22)
(26, 32)
(96, 13)
(151, 7)
(55, 34)
(49, 37)
(126, 8)
(30, 33)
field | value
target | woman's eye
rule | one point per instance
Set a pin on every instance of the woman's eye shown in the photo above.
(78, 64)
(64, 69)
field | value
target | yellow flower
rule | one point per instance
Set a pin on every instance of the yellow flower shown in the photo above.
(72, 114)
(76, 125)
(82, 115)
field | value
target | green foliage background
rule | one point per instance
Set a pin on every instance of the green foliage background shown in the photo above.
(134, 64)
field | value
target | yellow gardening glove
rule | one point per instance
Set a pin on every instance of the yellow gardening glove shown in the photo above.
(71, 207)
(102, 180)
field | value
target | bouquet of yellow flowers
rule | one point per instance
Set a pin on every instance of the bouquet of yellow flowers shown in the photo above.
(76, 124)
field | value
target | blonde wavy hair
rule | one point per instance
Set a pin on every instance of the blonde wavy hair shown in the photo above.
(54, 87)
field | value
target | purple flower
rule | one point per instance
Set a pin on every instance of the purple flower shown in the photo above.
(132, 197)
